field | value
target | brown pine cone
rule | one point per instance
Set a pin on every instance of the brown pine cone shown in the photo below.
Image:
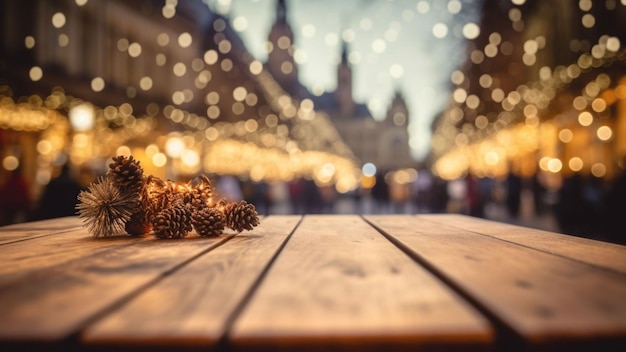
(241, 216)
(208, 221)
(201, 192)
(159, 194)
(127, 174)
(172, 222)
(138, 224)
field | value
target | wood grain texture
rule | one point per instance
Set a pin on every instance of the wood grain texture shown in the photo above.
(21, 258)
(603, 254)
(51, 304)
(544, 298)
(29, 230)
(194, 305)
(338, 282)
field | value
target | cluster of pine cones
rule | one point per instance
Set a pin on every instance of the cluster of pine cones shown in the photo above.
(172, 209)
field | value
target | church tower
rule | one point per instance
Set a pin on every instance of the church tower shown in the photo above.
(398, 113)
(343, 94)
(280, 62)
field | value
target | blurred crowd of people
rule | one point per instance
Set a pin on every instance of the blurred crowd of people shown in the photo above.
(58, 199)
(583, 206)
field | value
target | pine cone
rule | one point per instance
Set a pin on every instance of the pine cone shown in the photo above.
(201, 192)
(241, 216)
(208, 221)
(127, 174)
(138, 224)
(172, 222)
(159, 195)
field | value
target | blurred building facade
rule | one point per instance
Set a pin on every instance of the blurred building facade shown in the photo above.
(541, 80)
(171, 84)
(542, 99)
(384, 143)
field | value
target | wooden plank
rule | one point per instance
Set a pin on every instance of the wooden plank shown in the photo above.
(29, 230)
(49, 305)
(546, 299)
(339, 283)
(194, 306)
(607, 255)
(20, 258)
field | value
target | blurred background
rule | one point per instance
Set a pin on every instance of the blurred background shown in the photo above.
(512, 110)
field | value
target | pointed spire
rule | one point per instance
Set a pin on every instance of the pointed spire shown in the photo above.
(344, 53)
(281, 11)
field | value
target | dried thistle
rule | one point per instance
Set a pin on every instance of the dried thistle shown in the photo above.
(103, 209)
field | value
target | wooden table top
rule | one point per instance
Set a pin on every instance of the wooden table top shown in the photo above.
(314, 282)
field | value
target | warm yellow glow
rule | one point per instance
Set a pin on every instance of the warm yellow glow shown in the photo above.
(134, 49)
(10, 163)
(566, 135)
(604, 133)
(44, 147)
(555, 165)
(97, 84)
(210, 57)
(82, 117)
(190, 158)
(174, 147)
(585, 118)
(64, 40)
(163, 39)
(151, 150)
(239, 93)
(226, 65)
(598, 170)
(145, 83)
(598, 105)
(575, 164)
(58, 20)
(29, 42)
(256, 67)
(123, 150)
(179, 69)
(159, 159)
(35, 73)
(184, 40)
(286, 67)
(224, 46)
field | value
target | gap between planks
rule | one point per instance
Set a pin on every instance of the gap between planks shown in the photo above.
(339, 283)
(545, 299)
(200, 302)
(608, 256)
